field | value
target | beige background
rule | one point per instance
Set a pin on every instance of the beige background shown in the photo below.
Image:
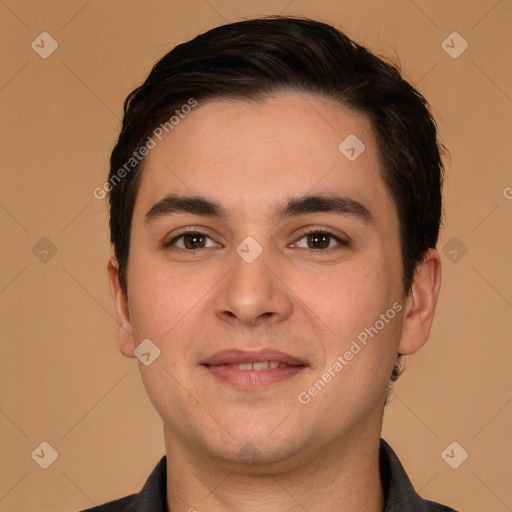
(64, 381)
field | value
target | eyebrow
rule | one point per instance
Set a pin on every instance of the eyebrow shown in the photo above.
(295, 206)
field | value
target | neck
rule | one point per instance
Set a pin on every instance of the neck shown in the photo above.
(341, 477)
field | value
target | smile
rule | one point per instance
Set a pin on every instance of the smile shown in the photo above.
(251, 370)
(263, 365)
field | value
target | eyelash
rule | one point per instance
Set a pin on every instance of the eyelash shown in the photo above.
(309, 231)
(320, 231)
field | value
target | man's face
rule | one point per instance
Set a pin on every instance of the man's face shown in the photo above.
(308, 296)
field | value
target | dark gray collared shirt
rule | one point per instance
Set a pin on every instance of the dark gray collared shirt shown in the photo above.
(399, 492)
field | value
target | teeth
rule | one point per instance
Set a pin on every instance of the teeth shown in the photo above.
(263, 365)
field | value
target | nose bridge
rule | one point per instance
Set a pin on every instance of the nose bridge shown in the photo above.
(252, 290)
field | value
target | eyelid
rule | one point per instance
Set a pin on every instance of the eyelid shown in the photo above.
(342, 240)
(190, 230)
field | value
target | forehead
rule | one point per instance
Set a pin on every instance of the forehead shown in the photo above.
(247, 155)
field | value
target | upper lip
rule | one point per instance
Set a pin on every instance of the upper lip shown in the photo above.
(237, 356)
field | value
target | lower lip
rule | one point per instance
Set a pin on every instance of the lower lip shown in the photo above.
(254, 379)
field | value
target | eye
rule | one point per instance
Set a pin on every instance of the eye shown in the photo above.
(192, 240)
(314, 239)
(317, 239)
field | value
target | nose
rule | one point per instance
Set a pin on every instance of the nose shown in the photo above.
(253, 293)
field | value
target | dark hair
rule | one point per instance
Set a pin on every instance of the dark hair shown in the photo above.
(255, 58)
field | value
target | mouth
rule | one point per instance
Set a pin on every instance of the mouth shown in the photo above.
(253, 369)
(258, 367)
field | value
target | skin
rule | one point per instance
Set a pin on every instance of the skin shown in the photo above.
(310, 303)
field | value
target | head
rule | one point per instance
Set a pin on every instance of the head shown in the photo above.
(234, 112)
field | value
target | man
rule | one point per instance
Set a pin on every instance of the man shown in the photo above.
(275, 203)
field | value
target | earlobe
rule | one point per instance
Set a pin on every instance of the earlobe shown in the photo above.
(421, 304)
(120, 299)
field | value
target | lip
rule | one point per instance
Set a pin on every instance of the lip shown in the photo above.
(217, 365)
(236, 356)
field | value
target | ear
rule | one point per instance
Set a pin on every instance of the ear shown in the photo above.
(421, 304)
(124, 327)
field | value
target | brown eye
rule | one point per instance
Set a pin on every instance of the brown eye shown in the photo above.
(318, 240)
(192, 240)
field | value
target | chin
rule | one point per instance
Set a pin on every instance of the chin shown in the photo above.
(261, 456)
(256, 447)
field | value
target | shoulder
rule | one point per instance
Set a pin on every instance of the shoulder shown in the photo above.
(151, 497)
(119, 505)
(400, 493)
(437, 507)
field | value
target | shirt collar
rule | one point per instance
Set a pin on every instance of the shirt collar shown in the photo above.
(398, 489)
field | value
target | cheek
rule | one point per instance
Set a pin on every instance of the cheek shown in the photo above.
(168, 299)
(153, 296)
(356, 303)
(351, 297)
